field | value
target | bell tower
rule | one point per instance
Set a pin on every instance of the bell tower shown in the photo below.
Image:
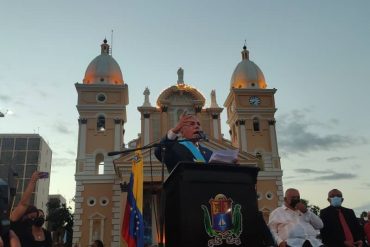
(251, 111)
(102, 100)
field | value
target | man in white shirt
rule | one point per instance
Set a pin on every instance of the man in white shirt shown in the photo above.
(292, 225)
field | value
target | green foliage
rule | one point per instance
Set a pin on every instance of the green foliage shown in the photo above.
(363, 214)
(60, 220)
(314, 209)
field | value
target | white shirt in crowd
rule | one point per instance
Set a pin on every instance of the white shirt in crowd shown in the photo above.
(295, 227)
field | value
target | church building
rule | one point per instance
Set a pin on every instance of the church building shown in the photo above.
(101, 180)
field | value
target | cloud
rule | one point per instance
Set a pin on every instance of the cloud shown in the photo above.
(62, 128)
(296, 134)
(62, 162)
(364, 207)
(5, 98)
(71, 152)
(324, 174)
(338, 159)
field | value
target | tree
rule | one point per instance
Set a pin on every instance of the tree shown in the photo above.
(60, 221)
(314, 209)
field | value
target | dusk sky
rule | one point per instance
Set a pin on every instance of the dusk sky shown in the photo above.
(315, 53)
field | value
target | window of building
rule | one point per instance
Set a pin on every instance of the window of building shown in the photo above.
(104, 201)
(256, 124)
(30, 169)
(34, 144)
(19, 169)
(8, 144)
(91, 201)
(32, 157)
(99, 164)
(20, 157)
(100, 125)
(6, 157)
(21, 144)
(269, 195)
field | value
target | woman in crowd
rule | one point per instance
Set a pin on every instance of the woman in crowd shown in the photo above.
(40, 237)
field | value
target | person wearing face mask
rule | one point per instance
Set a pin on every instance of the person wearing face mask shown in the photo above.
(293, 225)
(22, 216)
(40, 237)
(341, 227)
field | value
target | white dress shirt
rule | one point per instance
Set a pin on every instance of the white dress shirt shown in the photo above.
(295, 227)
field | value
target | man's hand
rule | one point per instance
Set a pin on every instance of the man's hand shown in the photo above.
(283, 244)
(301, 207)
(184, 119)
(349, 244)
(358, 243)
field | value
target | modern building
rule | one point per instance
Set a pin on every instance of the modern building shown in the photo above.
(102, 100)
(20, 156)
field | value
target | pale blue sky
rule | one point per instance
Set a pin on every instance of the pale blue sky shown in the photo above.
(316, 53)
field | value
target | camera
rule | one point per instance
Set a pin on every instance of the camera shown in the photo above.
(43, 175)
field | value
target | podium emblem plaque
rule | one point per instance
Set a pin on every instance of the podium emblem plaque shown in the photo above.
(224, 224)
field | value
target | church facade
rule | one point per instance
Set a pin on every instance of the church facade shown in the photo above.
(101, 179)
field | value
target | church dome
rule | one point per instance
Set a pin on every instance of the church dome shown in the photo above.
(103, 69)
(247, 74)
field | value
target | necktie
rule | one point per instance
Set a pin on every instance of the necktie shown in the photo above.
(346, 230)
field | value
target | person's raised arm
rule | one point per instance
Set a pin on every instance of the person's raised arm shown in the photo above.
(21, 208)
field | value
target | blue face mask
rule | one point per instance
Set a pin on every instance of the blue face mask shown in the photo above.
(336, 201)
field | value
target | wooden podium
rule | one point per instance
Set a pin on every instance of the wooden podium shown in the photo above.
(212, 205)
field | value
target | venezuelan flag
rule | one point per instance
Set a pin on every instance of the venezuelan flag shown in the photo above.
(133, 225)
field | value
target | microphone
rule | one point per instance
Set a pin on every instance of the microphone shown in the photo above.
(115, 153)
(203, 136)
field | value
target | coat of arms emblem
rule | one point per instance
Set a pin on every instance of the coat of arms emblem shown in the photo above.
(224, 224)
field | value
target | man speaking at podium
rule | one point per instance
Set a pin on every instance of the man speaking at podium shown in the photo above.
(189, 131)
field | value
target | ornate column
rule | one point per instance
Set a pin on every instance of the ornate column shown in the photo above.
(146, 128)
(242, 135)
(216, 133)
(274, 146)
(82, 138)
(117, 134)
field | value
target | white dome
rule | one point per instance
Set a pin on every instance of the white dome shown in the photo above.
(103, 69)
(247, 74)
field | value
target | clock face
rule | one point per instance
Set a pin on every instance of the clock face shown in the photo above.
(254, 100)
(101, 97)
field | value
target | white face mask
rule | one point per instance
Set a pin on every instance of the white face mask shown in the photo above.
(366, 218)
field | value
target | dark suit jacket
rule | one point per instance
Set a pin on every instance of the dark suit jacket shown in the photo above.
(176, 152)
(332, 233)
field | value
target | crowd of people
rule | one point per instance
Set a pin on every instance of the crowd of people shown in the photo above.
(291, 225)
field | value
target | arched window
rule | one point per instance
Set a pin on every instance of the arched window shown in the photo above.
(100, 124)
(256, 124)
(99, 164)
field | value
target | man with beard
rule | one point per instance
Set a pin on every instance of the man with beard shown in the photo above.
(293, 224)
